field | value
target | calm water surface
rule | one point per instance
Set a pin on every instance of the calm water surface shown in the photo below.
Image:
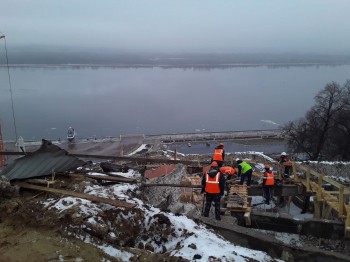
(112, 101)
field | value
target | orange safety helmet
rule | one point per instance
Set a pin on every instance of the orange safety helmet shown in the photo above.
(214, 164)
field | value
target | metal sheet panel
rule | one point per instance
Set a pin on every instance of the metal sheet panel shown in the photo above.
(44, 161)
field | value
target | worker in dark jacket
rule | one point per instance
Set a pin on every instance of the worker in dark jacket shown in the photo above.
(245, 171)
(213, 184)
(268, 183)
(219, 155)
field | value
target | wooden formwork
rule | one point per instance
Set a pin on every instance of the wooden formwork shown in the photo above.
(325, 202)
(238, 200)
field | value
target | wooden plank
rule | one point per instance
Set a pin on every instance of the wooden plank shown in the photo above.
(330, 198)
(38, 181)
(113, 202)
(247, 219)
(104, 177)
(334, 206)
(335, 192)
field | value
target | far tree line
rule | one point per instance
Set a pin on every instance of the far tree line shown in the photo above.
(324, 132)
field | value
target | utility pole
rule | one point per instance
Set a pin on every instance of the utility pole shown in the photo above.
(2, 149)
(2, 36)
(2, 157)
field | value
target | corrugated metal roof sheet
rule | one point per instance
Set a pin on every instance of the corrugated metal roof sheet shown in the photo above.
(42, 162)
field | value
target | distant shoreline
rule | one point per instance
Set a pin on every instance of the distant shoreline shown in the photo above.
(204, 66)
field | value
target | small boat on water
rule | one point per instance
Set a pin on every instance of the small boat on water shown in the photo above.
(189, 144)
(207, 143)
(71, 134)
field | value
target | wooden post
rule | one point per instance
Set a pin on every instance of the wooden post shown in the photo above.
(308, 188)
(247, 219)
(289, 200)
(317, 209)
(279, 172)
(341, 201)
(295, 177)
(175, 154)
(347, 222)
(327, 209)
(319, 188)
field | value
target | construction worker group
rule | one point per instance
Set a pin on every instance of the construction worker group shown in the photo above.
(214, 181)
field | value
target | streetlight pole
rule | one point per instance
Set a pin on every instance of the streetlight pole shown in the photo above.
(9, 77)
(2, 158)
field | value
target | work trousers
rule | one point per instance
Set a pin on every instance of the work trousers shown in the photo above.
(287, 171)
(267, 194)
(227, 185)
(247, 175)
(209, 199)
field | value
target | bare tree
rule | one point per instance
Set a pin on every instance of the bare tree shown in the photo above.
(339, 143)
(318, 133)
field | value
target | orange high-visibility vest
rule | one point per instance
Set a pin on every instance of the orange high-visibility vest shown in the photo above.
(218, 155)
(212, 184)
(270, 180)
(227, 170)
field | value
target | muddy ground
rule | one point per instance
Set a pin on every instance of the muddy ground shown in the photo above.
(29, 233)
(21, 242)
(32, 231)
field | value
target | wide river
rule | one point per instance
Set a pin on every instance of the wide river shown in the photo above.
(104, 101)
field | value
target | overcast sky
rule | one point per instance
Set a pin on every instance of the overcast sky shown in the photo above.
(321, 26)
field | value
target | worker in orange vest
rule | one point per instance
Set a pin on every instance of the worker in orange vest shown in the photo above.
(229, 172)
(219, 154)
(268, 183)
(213, 184)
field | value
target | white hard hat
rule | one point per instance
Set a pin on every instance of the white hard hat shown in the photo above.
(283, 154)
(237, 159)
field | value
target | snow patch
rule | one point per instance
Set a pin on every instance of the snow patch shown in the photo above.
(187, 232)
(142, 147)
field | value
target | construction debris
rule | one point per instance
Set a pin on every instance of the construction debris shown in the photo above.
(6, 189)
(113, 202)
(48, 159)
